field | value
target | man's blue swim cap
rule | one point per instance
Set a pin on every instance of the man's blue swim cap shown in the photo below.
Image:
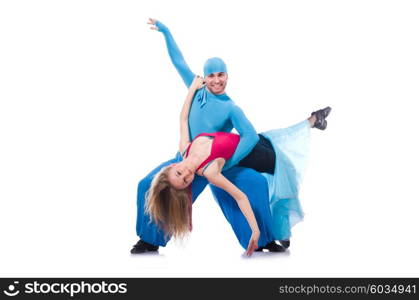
(214, 65)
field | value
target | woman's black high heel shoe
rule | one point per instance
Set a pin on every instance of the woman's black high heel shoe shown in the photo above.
(321, 116)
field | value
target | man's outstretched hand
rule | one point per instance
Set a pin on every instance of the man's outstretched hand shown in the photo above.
(152, 22)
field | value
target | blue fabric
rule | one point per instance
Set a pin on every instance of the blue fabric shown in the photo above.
(218, 113)
(291, 147)
(254, 186)
(214, 65)
(249, 181)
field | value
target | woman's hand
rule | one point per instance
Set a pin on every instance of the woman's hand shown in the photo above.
(253, 243)
(153, 23)
(197, 83)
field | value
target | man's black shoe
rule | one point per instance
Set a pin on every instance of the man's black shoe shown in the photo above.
(321, 116)
(285, 243)
(142, 247)
(271, 247)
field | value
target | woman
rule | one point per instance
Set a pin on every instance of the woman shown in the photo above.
(169, 200)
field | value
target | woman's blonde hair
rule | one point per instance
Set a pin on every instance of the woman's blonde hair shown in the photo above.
(169, 208)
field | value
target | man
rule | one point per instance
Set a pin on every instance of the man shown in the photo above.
(212, 110)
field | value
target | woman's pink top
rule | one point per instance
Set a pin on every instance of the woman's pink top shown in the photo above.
(223, 145)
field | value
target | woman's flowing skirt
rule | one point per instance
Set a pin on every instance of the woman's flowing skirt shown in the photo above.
(291, 147)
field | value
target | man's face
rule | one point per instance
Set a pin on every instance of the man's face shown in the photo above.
(216, 82)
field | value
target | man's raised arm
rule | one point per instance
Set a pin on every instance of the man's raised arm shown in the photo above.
(174, 52)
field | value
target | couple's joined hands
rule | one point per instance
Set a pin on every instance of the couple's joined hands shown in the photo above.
(197, 83)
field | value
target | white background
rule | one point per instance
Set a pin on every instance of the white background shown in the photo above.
(89, 104)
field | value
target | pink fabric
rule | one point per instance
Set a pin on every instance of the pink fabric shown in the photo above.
(223, 145)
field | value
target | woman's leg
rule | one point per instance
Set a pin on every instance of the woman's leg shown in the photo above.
(261, 158)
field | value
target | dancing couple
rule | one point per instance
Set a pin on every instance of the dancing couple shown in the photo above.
(253, 177)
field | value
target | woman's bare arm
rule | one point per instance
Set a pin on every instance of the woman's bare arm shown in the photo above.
(215, 177)
(184, 114)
